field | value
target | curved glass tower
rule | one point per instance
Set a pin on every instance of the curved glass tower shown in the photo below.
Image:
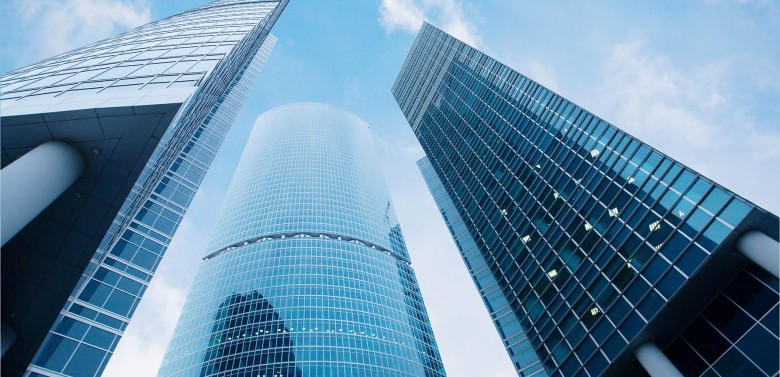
(307, 272)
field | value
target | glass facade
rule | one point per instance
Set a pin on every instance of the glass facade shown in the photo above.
(307, 272)
(204, 61)
(737, 333)
(506, 321)
(597, 241)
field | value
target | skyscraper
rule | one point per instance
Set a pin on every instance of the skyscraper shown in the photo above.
(594, 252)
(103, 149)
(307, 272)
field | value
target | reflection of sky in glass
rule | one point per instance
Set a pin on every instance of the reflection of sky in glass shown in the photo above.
(101, 305)
(174, 52)
(308, 224)
(530, 172)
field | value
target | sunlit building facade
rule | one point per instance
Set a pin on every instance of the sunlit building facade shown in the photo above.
(103, 149)
(309, 235)
(596, 252)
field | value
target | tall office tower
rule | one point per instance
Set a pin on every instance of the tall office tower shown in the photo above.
(103, 149)
(307, 272)
(590, 248)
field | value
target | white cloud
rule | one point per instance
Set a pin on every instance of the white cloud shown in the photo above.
(147, 339)
(449, 15)
(62, 25)
(401, 14)
(653, 98)
(691, 115)
(540, 72)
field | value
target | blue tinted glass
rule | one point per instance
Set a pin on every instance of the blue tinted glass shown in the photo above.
(95, 293)
(714, 234)
(750, 294)
(680, 211)
(691, 259)
(696, 222)
(130, 285)
(728, 318)
(735, 212)
(106, 276)
(215, 77)
(82, 311)
(772, 320)
(698, 189)
(55, 352)
(655, 269)
(651, 162)
(99, 338)
(111, 322)
(631, 326)
(684, 180)
(72, 328)
(85, 361)
(670, 283)
(120, 302)
(145, 259)
(651, 304)
(734, 363)
(675, 246)
(638, 216)
(715, 200)
(319, 281)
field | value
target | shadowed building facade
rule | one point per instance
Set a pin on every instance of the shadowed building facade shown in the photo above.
(308, 229)
(232, 346)
(594, 253)
(103, 149)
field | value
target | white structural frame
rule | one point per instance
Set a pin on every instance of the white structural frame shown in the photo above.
(32, 182)
(655, 362)
(761, 249)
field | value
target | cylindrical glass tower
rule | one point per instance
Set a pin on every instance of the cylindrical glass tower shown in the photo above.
(307, 272)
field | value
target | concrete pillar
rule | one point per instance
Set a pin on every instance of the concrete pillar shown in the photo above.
(655, 362)
(31, 183)
(7, 338)
(761, 249)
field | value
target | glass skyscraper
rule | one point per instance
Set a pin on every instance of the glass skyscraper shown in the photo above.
(307, 272)
(594, 253)
(103, 148)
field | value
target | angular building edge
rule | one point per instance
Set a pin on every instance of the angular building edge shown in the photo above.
(422, 96)
(191, 134)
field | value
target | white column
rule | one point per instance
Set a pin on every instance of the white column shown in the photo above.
(29, 184)
(655, 362)
(761, 249)
(7, 338)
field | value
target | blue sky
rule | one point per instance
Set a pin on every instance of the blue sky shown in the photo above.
(700, 80)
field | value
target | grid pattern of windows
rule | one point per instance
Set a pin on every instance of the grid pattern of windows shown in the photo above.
(97, 312)
(174, 52)
(588, 231)
(737, 334)
(307, 241)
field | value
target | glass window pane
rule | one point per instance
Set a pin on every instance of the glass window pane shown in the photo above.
(735, 212)
(715, 200)
(698, 189)
(56, 352)
(85, 361)
(72, 328)
(99, 338)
